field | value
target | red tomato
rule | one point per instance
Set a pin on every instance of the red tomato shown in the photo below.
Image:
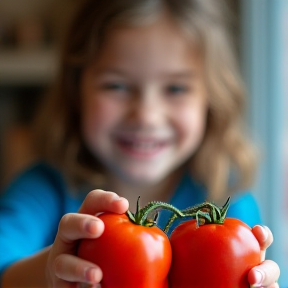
(129, 255)
(213, 255)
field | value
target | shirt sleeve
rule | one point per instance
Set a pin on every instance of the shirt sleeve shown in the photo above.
(244, 207)
(30, 210)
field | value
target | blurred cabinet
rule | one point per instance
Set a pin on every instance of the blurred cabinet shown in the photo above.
(30, 37)
(25, 67)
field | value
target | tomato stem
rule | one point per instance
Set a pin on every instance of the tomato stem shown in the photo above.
(207, 211)
(141, 215)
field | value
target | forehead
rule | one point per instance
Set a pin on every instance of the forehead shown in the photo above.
(159, 45)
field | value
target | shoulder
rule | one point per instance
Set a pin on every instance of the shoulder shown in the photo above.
(244, 207)
(39, 181)
(38, 174)
(33, 202)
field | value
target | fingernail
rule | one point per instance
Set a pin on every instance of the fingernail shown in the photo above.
(91, 226)
(116, 197)
(265, 233)
(258, 279)
(90, 275)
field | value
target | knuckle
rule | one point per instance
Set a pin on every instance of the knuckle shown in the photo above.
(79, 271)
(64, 221)
(102, 195)
(101, 198)
(94, 194)
(92, 197)
(269, 234)
(66, 228)
(58, 266)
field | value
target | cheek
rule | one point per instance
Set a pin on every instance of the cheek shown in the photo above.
(99, 116)
(191, 124)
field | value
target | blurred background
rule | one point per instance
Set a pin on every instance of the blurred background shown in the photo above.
(30, 36)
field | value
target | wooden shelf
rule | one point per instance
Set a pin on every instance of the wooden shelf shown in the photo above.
(21, 67)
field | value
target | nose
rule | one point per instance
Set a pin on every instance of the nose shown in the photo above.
(146, 108)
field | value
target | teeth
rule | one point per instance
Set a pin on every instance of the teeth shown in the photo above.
(143, 145)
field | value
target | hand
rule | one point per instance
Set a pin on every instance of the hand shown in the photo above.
(64, 268)
(267, 273)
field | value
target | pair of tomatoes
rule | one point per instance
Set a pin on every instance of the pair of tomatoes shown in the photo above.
(142, 256)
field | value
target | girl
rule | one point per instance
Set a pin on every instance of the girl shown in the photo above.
(149, 103)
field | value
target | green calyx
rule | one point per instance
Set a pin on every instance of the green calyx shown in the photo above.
(141, 215)
(204, 213)
(211, 213)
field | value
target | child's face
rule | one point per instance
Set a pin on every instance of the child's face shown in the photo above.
(144, 103)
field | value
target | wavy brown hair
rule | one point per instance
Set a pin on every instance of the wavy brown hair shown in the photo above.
(224, 161)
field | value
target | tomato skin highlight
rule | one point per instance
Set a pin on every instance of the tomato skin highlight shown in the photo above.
(213, 255)
(129, 255)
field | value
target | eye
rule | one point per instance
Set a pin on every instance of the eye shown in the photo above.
(115, 86)
(176, 89)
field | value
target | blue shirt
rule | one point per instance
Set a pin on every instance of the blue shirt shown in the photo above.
(32, 206)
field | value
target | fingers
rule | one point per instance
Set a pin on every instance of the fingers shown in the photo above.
(265, 238)
(264, 275)
(74, 226)
(65, 267)
(103, 201)
(73, 269)
(263, 235)
(274, 285)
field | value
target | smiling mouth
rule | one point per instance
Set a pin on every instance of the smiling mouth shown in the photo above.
(142, 147)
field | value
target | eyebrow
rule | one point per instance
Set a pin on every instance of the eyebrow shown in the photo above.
(184, 74)
(109, 71)
(119, 72)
